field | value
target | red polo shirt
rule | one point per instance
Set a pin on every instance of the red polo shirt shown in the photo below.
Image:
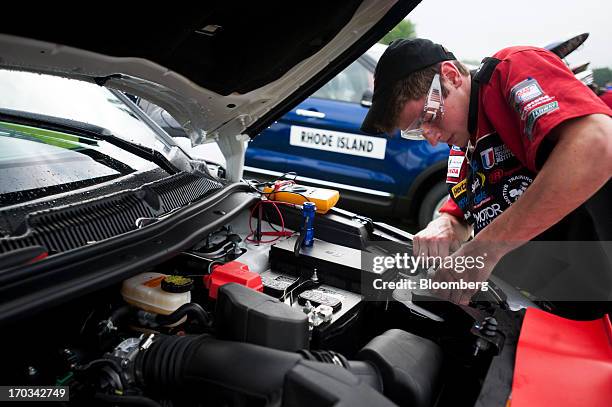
(530, 92)
(607, 98)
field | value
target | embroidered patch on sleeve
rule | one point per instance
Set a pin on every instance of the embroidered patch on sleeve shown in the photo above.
(535, 103)
(459, 189)
(455, 164)
(523, 92)
(535, 114)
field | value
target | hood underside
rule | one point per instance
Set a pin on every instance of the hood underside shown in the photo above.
(221, 69)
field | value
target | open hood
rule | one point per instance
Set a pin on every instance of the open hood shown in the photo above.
(222, 69)
(564, 48)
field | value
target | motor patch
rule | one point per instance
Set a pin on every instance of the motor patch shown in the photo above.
(486, 215)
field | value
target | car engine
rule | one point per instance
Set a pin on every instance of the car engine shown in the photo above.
(251, 316)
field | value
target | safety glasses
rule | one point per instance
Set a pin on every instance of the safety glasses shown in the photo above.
(433, 109)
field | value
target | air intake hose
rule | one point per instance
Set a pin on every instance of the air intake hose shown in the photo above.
(189, 366)
(177, 363)
(402, 366)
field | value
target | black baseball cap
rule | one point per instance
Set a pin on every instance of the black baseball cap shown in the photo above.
(400, 59)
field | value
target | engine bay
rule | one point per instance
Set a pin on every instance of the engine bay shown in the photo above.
(249, 315)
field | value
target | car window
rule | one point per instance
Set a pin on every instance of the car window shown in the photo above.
(349, 85)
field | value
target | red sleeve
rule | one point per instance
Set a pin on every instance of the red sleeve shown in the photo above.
(529, 94)
(451, 207)
(607, 98)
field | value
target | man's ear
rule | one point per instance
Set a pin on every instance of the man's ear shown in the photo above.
(451, 74)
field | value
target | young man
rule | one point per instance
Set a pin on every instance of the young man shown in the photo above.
(531, 156)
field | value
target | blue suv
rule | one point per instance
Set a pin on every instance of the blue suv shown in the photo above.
(320, 140)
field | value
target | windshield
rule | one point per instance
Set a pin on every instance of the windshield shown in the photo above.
(36, 161)
(74, 100)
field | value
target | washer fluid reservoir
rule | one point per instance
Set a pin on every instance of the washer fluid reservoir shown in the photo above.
(145, 292)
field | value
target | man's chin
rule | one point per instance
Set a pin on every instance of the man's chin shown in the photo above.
(458, 140)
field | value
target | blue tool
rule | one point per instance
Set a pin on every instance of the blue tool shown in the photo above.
(308, 213)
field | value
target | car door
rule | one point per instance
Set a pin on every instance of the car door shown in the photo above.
(320, 138)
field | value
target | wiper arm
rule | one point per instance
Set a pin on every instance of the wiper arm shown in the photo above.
(90, 131)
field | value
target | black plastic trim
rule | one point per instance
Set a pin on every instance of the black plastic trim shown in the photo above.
(75, 273)
(73, 226)
(497, 386)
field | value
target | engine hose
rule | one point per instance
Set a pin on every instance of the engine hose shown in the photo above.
(364, 370)
(98, 363)
(109, 325)
(326, 356)
(192, 309)
(177, 363)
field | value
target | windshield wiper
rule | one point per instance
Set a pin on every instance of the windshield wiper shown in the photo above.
(89, 131)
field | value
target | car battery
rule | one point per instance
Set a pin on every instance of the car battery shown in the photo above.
(337, 266)
(276, 284)
(345, 317)
(318, 297)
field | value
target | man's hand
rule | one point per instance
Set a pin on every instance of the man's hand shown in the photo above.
(472, 271)
(441, 237)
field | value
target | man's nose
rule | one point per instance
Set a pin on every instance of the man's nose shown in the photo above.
(431, 134)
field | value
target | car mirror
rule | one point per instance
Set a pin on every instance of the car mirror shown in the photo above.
(366, 98)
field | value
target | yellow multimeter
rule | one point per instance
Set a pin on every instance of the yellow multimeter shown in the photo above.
(284, 191)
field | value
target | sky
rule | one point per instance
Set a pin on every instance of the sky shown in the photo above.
(474, 29)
